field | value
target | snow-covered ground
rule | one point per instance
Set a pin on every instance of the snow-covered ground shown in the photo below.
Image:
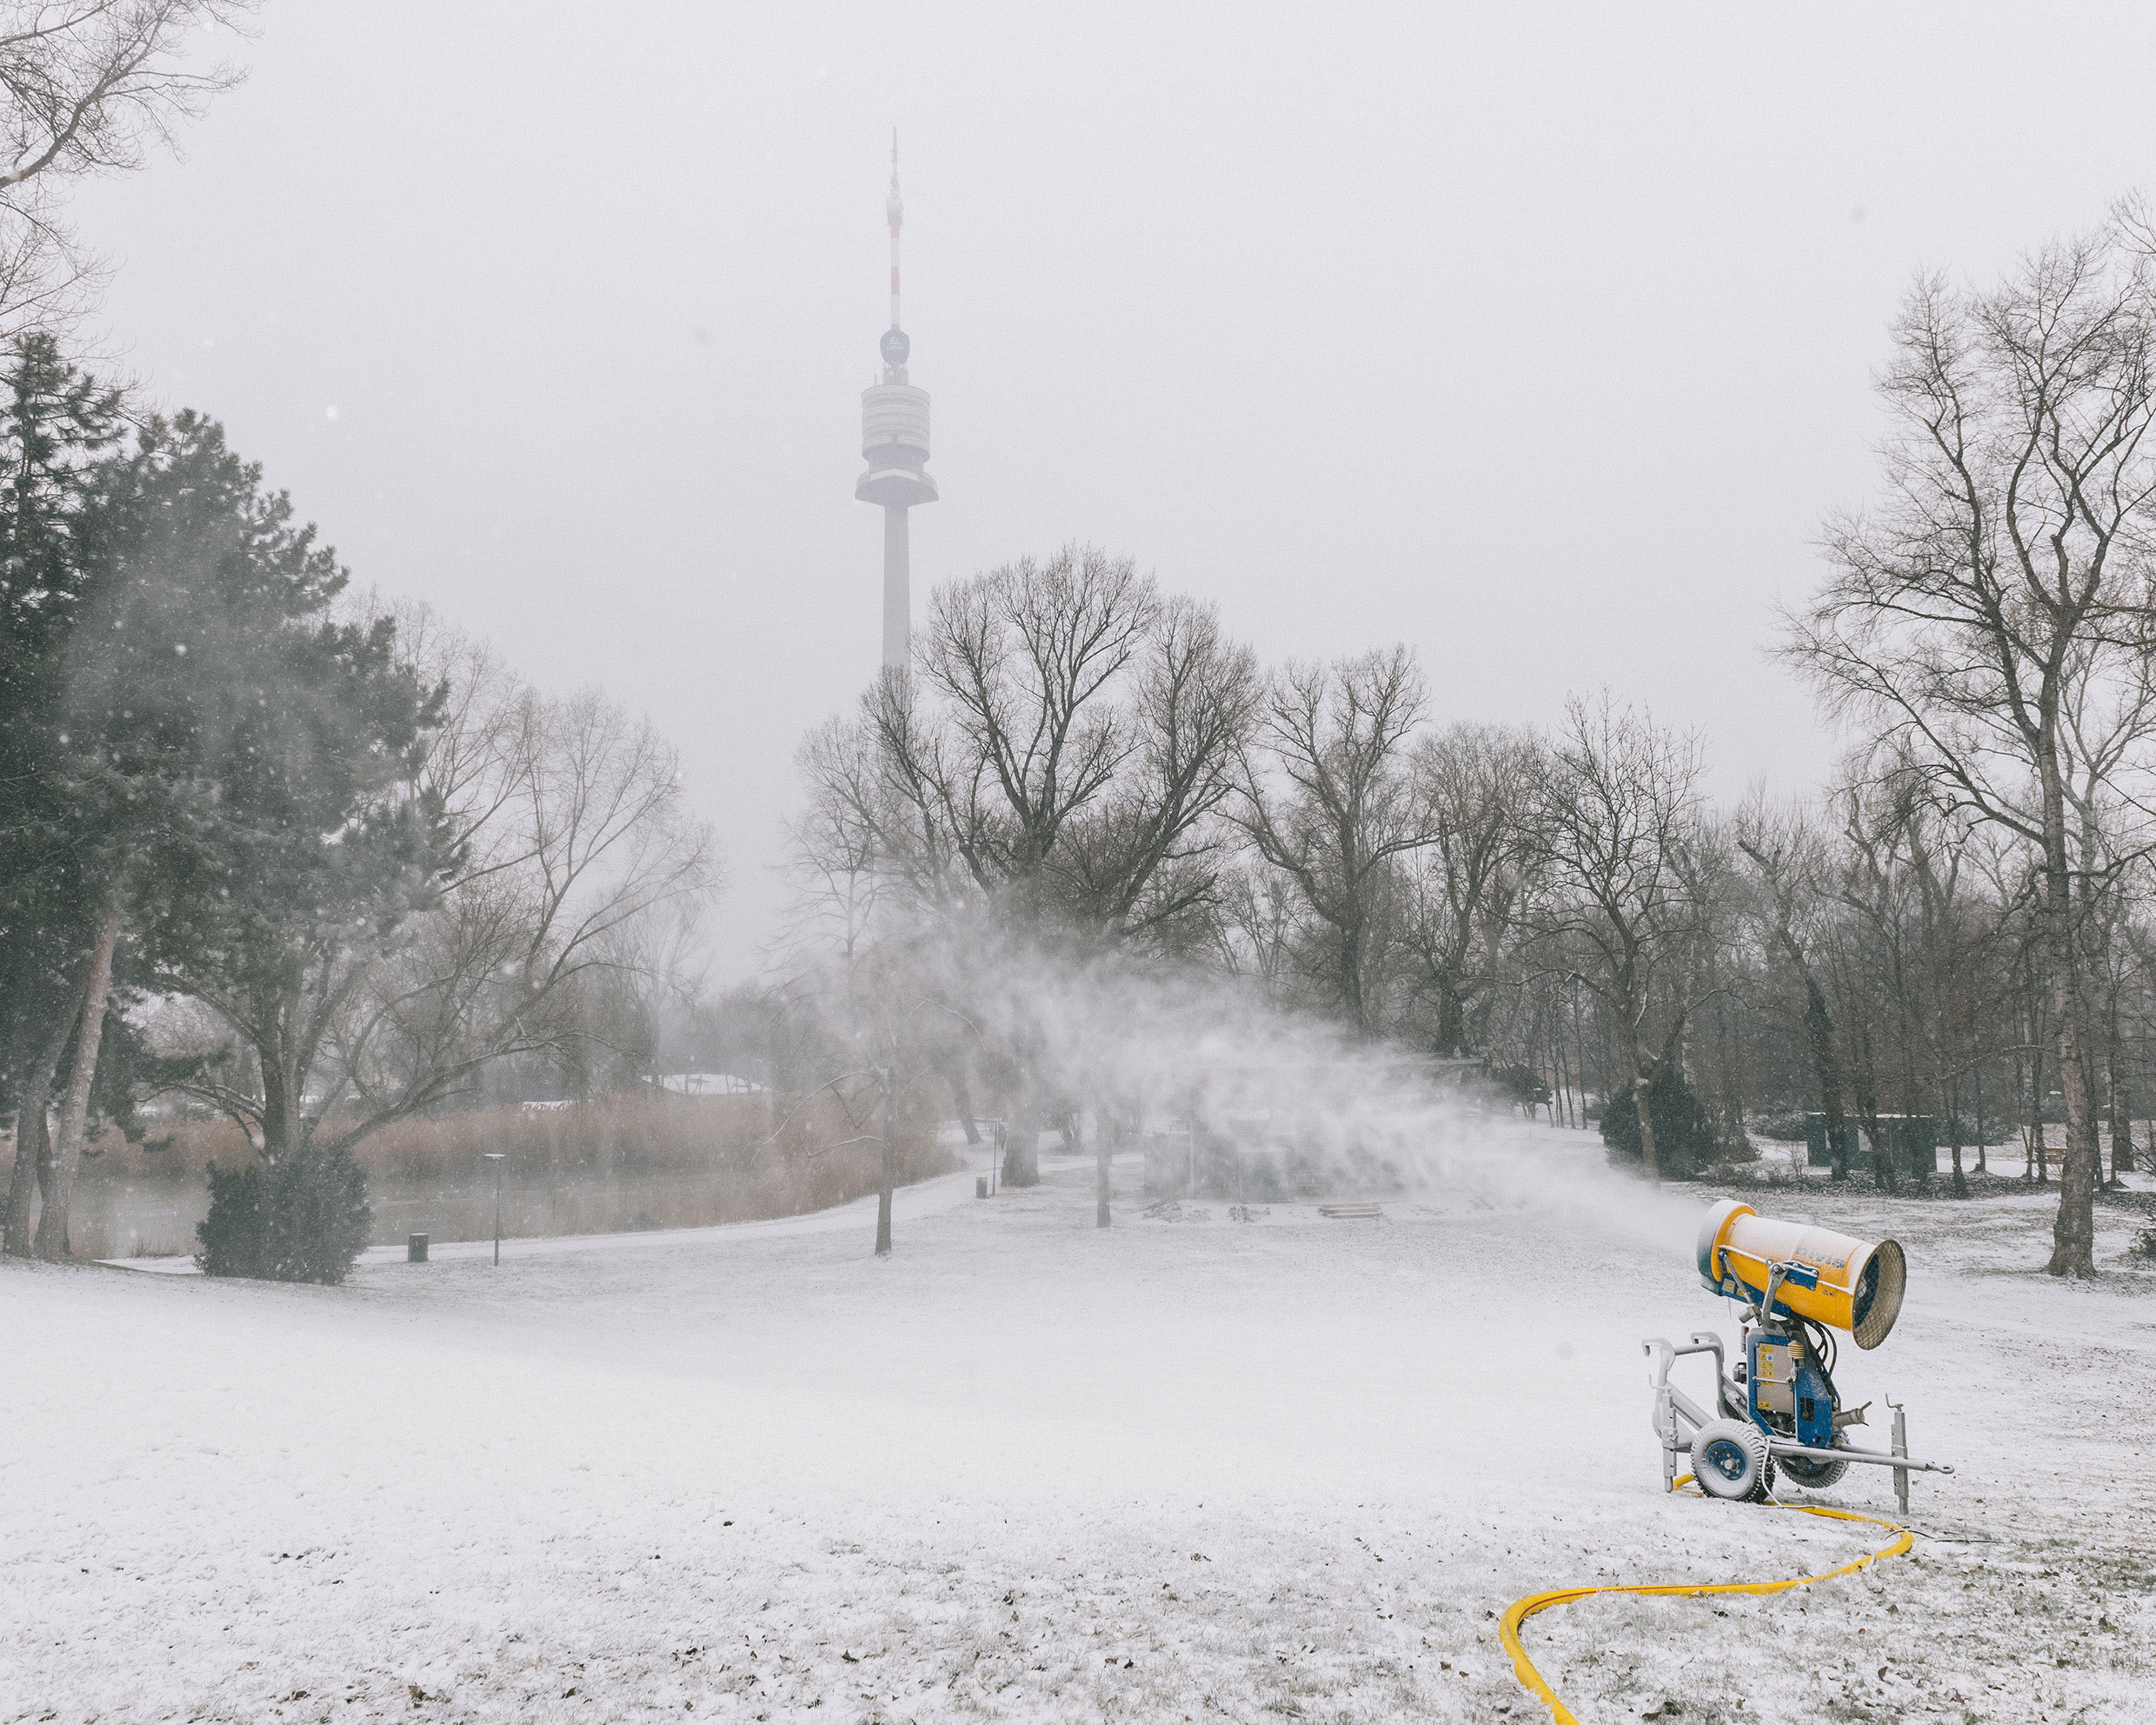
(1194, 1467)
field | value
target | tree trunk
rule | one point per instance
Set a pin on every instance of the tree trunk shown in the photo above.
(1021, 1147)
(1731, 1078)
(1977, 1091)
(1641, 1084)
(33, 1163)
(1451, 1020)
(2032, 1109)
(33, 1127)
(1867, 1110)
(1612, 1095)
(1558, 1079)
(1923, 1163)
(1560, 1067)
(2074, 1235)
(888, 1081)
(2089, 1040)
(1819, 1030)
(1953, 1130)
(1103, 1157)
(2121, 1102)
(961, 1097)
(1641, 1087)
(1351, 979)
(283, 1125)
(52, 1242)
(1568, 1061)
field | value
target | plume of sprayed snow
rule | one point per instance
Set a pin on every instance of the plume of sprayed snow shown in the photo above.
(1174, 1048)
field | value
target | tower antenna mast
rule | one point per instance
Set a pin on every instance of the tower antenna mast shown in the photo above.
(896, 210)
(894, 442)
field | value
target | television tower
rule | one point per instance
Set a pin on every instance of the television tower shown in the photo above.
(894, 442)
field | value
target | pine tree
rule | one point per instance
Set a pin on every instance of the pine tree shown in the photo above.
(271, 742)
(215, 764)
(56, 426)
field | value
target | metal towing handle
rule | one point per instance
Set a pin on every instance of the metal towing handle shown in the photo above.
(1671, 1403)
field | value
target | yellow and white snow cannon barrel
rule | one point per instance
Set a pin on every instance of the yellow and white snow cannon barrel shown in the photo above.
(1856, 1285)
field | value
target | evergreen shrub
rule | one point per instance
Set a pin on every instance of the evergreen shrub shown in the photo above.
(1787, 1126)
(303, 1219)
(1683, 1133)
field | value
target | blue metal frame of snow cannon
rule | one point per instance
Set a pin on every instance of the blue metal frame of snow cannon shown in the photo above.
(1780, 1406)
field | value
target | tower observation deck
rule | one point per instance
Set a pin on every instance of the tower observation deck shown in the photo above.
(894, 442)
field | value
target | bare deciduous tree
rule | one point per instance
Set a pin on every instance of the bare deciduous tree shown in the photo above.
(1327, 798)
(2002, 584)
(572, 846)
(1261, 912)
(1149, 868)
(877, 964)
(1056, 764)
(1066, 742)
(579, 861)
(1791, 905)
(88, 87)
(1618, 806)
(1476, 784)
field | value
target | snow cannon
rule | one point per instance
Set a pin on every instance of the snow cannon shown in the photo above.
(1849, 1284)
(1780, 1407)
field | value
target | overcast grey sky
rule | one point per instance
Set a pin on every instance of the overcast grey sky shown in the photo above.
(1540, 337)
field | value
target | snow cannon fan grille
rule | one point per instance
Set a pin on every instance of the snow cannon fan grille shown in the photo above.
(1879, 1289)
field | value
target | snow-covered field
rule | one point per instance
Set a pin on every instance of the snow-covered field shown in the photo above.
(1194, 1467)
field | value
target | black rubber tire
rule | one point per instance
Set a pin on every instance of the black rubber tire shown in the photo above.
(1813, 1476)
(1729, 1460)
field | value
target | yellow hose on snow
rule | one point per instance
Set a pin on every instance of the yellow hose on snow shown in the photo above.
(1520, 1609)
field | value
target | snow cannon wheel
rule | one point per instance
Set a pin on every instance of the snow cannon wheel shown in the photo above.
(1729, 1460)
(1813, 1475)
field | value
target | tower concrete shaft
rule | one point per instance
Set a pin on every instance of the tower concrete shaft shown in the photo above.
(894, 442)
(898, 598)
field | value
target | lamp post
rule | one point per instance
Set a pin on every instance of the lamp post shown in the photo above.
(496, 1157)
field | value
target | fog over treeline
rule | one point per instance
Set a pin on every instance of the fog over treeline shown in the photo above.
(324, 856)
(1543, 345)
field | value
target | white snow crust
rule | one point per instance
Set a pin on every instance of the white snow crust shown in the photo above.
(1189, 1467)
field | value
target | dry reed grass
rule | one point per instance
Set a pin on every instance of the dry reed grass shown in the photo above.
(619, 1163)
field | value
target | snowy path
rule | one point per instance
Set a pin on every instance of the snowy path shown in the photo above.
(1027, 1469)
